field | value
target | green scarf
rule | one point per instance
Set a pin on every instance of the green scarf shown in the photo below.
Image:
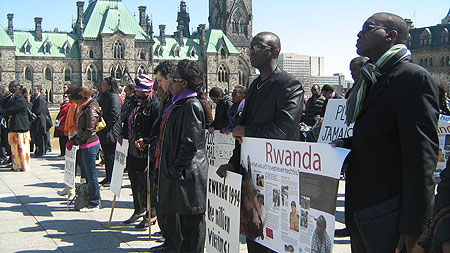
(370, 74)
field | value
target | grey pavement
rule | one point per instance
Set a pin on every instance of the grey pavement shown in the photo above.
(33, 218)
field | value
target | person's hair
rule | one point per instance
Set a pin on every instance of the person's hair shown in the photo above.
(442, 81)
(13, 84)
(327, 88)
(113, 83)
(321, 220)
(315, 85)
(130, 87)
(39, 87)
(192, 73)
(78, 92)
(215, 92)
(274, 39)
(165, 68)
(395, 22)
(360, 60)
(24, 91)
(242, 88)
(293, 204)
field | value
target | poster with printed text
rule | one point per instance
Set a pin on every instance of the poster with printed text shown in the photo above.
(69, 168)
(333, 125)
(289, 192)
(120, 159)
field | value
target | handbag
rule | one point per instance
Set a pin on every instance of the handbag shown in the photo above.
(81, 199)
(101, 125)
(378, 225)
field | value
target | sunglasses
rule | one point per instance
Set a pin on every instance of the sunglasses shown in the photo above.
(236, 92)
(260, 47)
(366, 28)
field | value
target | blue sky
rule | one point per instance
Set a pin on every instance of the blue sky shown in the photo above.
(325, 28)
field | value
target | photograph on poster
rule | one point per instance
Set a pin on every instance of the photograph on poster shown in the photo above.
(276, 197)
(284, 195)
(304, 219)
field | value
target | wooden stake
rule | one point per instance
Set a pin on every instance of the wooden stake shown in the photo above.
(112, 210)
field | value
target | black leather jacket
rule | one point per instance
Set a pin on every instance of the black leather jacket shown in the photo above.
(111, 107)
(183, 166)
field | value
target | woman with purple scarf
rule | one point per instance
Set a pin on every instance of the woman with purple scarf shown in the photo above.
(181, 159)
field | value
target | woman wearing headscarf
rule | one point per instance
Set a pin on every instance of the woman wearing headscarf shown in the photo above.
(111, 105)
(181, 159)
(19, 129)
(138, 130)
(87, 119)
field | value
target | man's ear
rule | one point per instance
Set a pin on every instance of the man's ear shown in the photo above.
(391, 36)
(275, 53)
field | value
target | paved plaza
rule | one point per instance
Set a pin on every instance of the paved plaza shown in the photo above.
(34, 218)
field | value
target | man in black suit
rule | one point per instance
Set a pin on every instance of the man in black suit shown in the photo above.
(39, 126)
(273, 105)
(394, 148)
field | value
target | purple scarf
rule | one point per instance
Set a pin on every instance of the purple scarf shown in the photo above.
(186, 94)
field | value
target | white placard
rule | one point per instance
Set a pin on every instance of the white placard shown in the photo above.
(289, 189)
(120, 159)
(333, 125)
(223, 198)
(69, 169)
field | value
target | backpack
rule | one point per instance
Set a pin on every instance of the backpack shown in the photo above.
(81, 198)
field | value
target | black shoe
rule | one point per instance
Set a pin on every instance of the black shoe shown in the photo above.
(142, 224)
(341, 232)
(157, 233)
(160, 248)
(105, 182)
(133, 218)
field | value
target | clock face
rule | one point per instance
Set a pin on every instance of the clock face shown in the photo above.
(238, 14)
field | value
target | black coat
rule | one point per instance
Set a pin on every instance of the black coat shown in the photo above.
(273, 111)
(221, 117)
(394, 148)
(111, 108)
(314, 108)
(40, 108)
(183, 166)
(18, 110)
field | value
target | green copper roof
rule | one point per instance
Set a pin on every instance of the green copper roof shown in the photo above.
(5, 40)
(109, 17)
(215, 38)
(57, 41)
(172, 44)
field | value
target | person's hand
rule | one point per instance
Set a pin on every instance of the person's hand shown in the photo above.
(211, 130)
(446, 247)
(222, 170)
(338, 144)
(120, 140)
(140, 144)
(406, 241)
(238, 133)
(69, 144)
(227, 132)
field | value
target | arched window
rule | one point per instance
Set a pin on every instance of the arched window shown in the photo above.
(91, 73)
(430, 62)
(67, 74)
(48, 74)
(235, 26)
(117, 71)
(142, 70)
(193, 52)
(442, 62)
(223, 74)
(421, 62)
(160, 51)
(176, 51)
(67, 49)
(242, 27)
(223, 52)
(91, 54)
(142, 55)
(118, 50)
(28, 48)
(28, 73)
(47, 48)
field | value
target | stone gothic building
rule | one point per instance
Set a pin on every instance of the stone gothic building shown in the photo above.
(108, 41)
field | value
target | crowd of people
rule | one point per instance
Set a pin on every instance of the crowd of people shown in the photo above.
(394, 105)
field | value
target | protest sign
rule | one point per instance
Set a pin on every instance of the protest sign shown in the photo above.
(444, 142)
(289, 190)
(69, 169)
(119, 166)
(333, 125)
(223, 198)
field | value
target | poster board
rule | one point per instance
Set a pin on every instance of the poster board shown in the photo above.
(333, 125)
(120, 159)
(69, 167)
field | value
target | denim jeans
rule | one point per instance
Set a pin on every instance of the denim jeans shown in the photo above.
(87, 162)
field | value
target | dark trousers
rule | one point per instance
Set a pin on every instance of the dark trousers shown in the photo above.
(87, 161)
(48, 144)
(109, 150)
(356, 242)
(62, 144)
(39, 142)
(164, 223)
(189, 233)
(138, 178)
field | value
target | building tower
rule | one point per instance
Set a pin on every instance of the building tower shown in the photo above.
(183, 18)
(234, 17)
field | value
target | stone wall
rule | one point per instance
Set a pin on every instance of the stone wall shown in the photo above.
(213, 61)
(7, 65)
(436, 54)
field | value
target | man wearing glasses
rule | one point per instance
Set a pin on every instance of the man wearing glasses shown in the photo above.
(394, 147)
(273, 105)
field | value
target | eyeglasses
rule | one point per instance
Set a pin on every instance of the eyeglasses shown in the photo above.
(175, 79)
(141, 98)
(367, 27)
(236, 92)
(260, 47)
